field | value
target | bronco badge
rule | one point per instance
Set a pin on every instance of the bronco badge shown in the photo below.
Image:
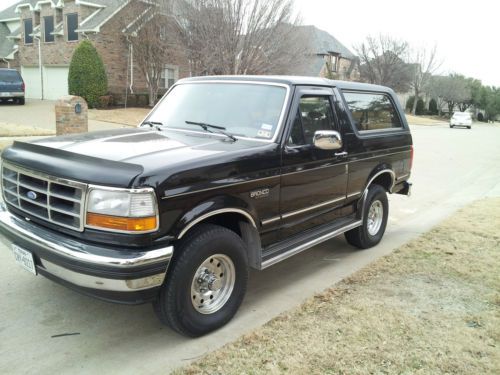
(259, 193)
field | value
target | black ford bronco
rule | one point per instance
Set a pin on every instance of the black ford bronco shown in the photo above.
(224, 174)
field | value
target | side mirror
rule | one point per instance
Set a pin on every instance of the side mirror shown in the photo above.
(327, 140)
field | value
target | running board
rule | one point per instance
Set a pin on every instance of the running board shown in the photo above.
(289, 251)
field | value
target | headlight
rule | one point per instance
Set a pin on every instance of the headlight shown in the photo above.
(122, 210)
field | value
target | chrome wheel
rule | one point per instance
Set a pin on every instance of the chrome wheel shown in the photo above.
(375, 217)
(212, 284)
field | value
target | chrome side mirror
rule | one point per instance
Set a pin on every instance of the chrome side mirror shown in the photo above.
(327, 140)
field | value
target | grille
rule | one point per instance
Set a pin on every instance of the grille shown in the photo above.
(55, 200)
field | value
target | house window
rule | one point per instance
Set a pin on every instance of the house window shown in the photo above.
(48, 29)
(72, 25)
(372, 111)
(333, 63)
(169, 77)
(28, 30)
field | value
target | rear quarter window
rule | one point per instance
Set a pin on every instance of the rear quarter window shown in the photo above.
(9, 76)
(372, 112)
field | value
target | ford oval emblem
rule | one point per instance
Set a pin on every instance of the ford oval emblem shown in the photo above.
(31, 195)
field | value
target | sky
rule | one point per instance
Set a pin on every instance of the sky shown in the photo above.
(466, 33)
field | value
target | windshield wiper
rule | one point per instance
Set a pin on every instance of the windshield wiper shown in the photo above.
(157, 124)
(208, 127)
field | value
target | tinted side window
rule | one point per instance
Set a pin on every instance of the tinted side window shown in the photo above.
(315, 113)
(372, 111)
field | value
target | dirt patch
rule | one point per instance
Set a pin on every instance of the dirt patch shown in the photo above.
(129, 116)
(431, 307)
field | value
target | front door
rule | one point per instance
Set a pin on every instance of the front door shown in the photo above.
(314, 181)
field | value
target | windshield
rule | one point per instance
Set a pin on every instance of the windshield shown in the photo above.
(242, 109)
(461, 114)
(10, 76)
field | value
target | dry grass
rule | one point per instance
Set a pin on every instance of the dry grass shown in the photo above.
(15, 130)
(431, 307)
(420, 120)
(129, 116)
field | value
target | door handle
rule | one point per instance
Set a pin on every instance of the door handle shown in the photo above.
(341, 154)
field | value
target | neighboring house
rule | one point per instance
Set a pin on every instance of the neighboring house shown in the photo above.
(330, 58)
(55, 27)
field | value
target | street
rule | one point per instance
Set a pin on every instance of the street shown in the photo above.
(452, 167)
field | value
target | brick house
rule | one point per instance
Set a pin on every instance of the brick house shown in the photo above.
(329, 58)
(45, 33)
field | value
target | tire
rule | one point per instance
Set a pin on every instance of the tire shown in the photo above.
(182, 301)
(468, 127)
(370, 233)
(451, 126)
(21, 101)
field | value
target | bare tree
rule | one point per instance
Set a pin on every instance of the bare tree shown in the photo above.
(452, 90)
(383, 62)
(424, 63)
(242, 36)
(153, 36)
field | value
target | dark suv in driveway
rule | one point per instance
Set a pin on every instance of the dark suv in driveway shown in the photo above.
(226, 173)
(11, 86)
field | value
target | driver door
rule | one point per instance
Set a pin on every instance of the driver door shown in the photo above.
(313, 181)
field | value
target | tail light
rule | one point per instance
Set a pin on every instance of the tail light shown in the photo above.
(23, 86)
(411, 157)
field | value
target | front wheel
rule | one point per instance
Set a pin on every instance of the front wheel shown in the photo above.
(206, 282)
(375, 214)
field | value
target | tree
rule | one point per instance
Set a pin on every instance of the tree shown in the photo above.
(154, 37)
(490, 102)
(424, 63)
(452, 90)
(87, 76)
(242, 36)
(383, 62)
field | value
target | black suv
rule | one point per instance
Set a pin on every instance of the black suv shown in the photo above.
(226, 173)
(11, 86)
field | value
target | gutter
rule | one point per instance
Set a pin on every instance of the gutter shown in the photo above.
(7, 61)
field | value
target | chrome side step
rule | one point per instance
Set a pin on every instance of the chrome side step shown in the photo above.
(298, 249)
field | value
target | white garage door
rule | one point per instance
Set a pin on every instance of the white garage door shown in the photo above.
(31, 77)
(55, 82)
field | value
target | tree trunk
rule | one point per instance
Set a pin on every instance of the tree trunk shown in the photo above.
(153, 93)
(414, 109)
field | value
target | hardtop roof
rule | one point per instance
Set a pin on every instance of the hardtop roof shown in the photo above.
(294, 81)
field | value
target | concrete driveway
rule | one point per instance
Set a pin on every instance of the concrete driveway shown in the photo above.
(452, 167)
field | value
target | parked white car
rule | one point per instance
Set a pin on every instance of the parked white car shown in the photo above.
(461, 119)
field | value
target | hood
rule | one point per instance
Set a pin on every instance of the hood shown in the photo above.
(117, 157)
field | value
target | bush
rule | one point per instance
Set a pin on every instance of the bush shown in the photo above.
(87, 76)
(409, 103)
(420, 108)
(480, 117)
(433, 107)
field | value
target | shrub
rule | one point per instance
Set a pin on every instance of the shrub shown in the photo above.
(480, 117)
(420, 108)
(433, 107)
(87, 76)
(409, 103)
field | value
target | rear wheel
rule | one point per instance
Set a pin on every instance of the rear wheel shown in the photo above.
(375, 214)
(206, 282)
(20, 101)
(468, 127)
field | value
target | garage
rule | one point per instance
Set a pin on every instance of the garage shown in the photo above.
(31, 77)
(55, 82)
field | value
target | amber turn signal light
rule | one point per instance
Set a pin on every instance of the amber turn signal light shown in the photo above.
(128, 224)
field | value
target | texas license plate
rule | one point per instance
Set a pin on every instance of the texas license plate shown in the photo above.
(24, 258)
(5, 94)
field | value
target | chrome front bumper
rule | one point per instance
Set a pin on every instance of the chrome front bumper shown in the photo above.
(89, 267)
